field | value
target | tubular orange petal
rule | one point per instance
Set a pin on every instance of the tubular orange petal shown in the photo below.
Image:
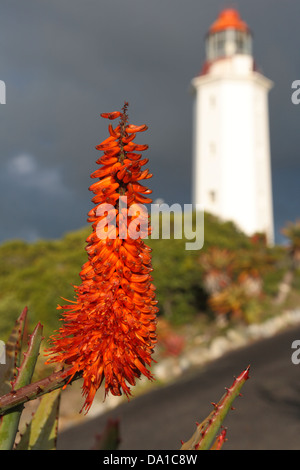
(107, 141)
(128, 138)
(133, 156)
(133, 128)
(145, 175)
(114, 132)
(106, 170)
(108, 145)
(138, 188)
(142, 199)
(107, 181)
(108, 159)
(139, 277)
(113, 115)
(131, 147)
(144, 161)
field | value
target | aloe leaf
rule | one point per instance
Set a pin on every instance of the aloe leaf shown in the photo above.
(12, 353)
(9, 421)
(26, 370)
(41, 432)
(219, 442)
(207, 430)
(110, 438)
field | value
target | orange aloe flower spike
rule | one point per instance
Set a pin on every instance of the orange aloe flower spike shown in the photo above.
(109, 331)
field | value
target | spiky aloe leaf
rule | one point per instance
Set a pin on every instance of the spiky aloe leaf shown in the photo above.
(218, 444)
(13, 353)
(41, 432)
(110, 438)
(25, 371)
(207, 430)
(9, 422)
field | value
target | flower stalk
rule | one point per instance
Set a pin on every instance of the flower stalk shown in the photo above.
(36, 389)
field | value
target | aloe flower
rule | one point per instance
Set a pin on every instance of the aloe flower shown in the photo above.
(109, 331)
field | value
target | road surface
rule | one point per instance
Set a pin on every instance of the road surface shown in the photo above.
(267, 416)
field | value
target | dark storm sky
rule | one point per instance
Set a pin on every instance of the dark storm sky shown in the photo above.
(65, 62)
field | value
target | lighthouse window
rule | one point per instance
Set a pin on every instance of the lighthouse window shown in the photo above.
(243, 42)
(240, 42)
(220, 44)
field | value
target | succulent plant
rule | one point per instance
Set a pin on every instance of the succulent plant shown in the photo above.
(17, 388)
(205, 437)
(40, 432)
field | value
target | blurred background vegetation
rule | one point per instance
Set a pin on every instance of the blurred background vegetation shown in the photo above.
(233, 277)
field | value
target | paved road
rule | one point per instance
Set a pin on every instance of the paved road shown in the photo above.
(266, 417)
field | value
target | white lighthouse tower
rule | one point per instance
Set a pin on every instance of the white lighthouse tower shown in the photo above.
(232, 170)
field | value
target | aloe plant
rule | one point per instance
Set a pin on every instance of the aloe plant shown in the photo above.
(41, 432)
(206, 431)
(16, 374)
(234, 287)
(110, 437)
(17, 388)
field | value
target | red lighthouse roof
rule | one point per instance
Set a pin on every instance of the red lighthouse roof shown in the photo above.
(227, 19)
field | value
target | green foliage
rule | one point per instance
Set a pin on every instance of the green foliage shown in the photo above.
(240, 281)
(292, 232)
(39, 274)
(178, 275)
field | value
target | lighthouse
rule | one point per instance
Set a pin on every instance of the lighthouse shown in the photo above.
(231, 143)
